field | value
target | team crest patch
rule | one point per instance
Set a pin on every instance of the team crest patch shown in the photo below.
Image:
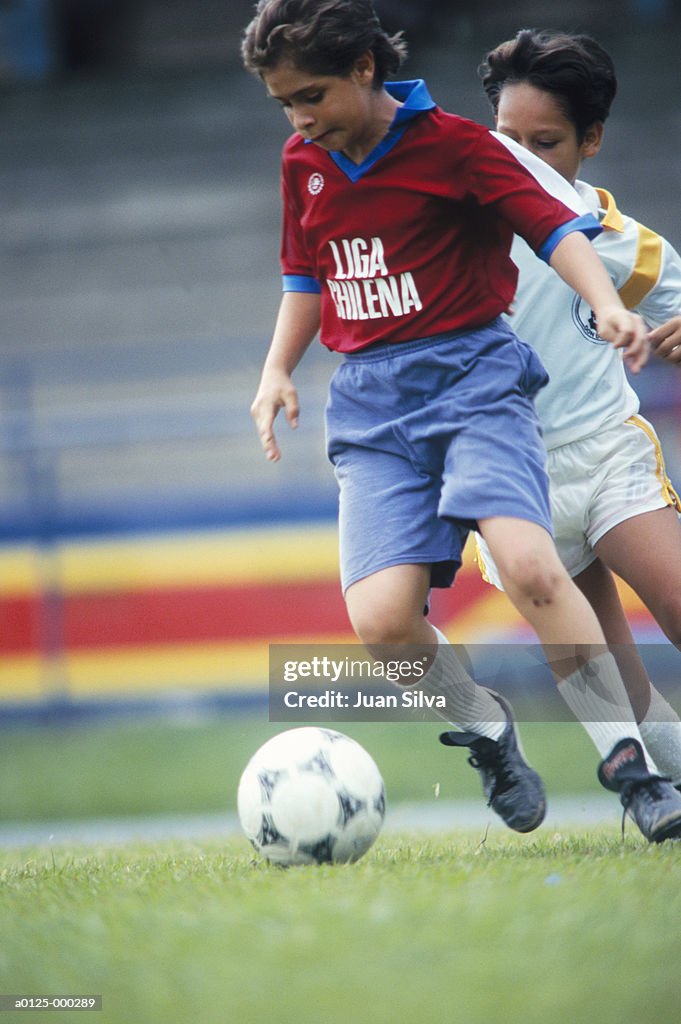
(315, 184)
(584, 319)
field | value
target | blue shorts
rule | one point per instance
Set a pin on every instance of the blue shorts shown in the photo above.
(426, 438)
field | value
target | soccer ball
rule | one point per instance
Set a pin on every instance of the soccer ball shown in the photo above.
(310, 796)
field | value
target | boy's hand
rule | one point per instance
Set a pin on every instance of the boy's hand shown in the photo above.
(627, 331)
(276, 391)
(666, 340)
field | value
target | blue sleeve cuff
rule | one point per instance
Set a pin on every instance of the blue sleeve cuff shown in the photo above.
(587, 224)
(299, 283)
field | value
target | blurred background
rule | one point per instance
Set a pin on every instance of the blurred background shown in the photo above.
(148, 553)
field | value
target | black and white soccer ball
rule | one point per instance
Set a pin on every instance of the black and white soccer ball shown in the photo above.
(311, 796)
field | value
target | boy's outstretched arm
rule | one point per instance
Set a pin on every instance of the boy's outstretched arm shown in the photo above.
(666, 340)
(297, 324)
(577, 262)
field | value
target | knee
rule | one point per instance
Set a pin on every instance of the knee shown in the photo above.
(379, 628)
(386, 609)
(531, 578)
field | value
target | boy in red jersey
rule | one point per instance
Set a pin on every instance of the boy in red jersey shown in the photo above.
(398, 220)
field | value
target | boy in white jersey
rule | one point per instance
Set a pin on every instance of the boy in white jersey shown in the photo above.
(613, 506)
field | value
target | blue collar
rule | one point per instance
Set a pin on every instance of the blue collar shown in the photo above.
(415, 99)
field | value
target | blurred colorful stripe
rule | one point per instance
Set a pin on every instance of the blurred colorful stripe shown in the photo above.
(193, 611)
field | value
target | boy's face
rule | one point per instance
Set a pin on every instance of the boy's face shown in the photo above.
(332, 111)
(536, 120)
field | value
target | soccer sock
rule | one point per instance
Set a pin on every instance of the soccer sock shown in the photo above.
(597, 697)
(469, 706)
(661, 732)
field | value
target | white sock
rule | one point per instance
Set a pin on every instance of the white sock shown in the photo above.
(469, 706)
(661, 732)
(597, 697)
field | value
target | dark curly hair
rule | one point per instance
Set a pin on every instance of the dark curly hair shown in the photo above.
(320, 37)
(575, 69)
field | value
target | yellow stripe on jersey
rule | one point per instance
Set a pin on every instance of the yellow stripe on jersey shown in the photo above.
(612, 219)
(646, 270)
(668, 492)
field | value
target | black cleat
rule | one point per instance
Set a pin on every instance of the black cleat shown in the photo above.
(651, 800)
(513, 789)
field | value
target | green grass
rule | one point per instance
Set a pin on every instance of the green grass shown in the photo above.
(502, 929)
(513, 930)
(156, 767)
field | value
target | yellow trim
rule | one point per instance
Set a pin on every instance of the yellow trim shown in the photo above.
(479, 560)
(668, 493)
(612, 218)
(646, 270)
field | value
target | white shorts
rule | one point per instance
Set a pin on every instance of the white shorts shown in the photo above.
(597, 483)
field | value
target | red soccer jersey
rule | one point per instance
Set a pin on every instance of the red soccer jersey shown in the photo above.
(415, 241)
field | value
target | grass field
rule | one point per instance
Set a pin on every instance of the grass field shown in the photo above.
(579, 926)
(517, 930)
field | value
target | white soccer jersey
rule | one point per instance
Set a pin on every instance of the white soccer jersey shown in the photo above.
(588, 389)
